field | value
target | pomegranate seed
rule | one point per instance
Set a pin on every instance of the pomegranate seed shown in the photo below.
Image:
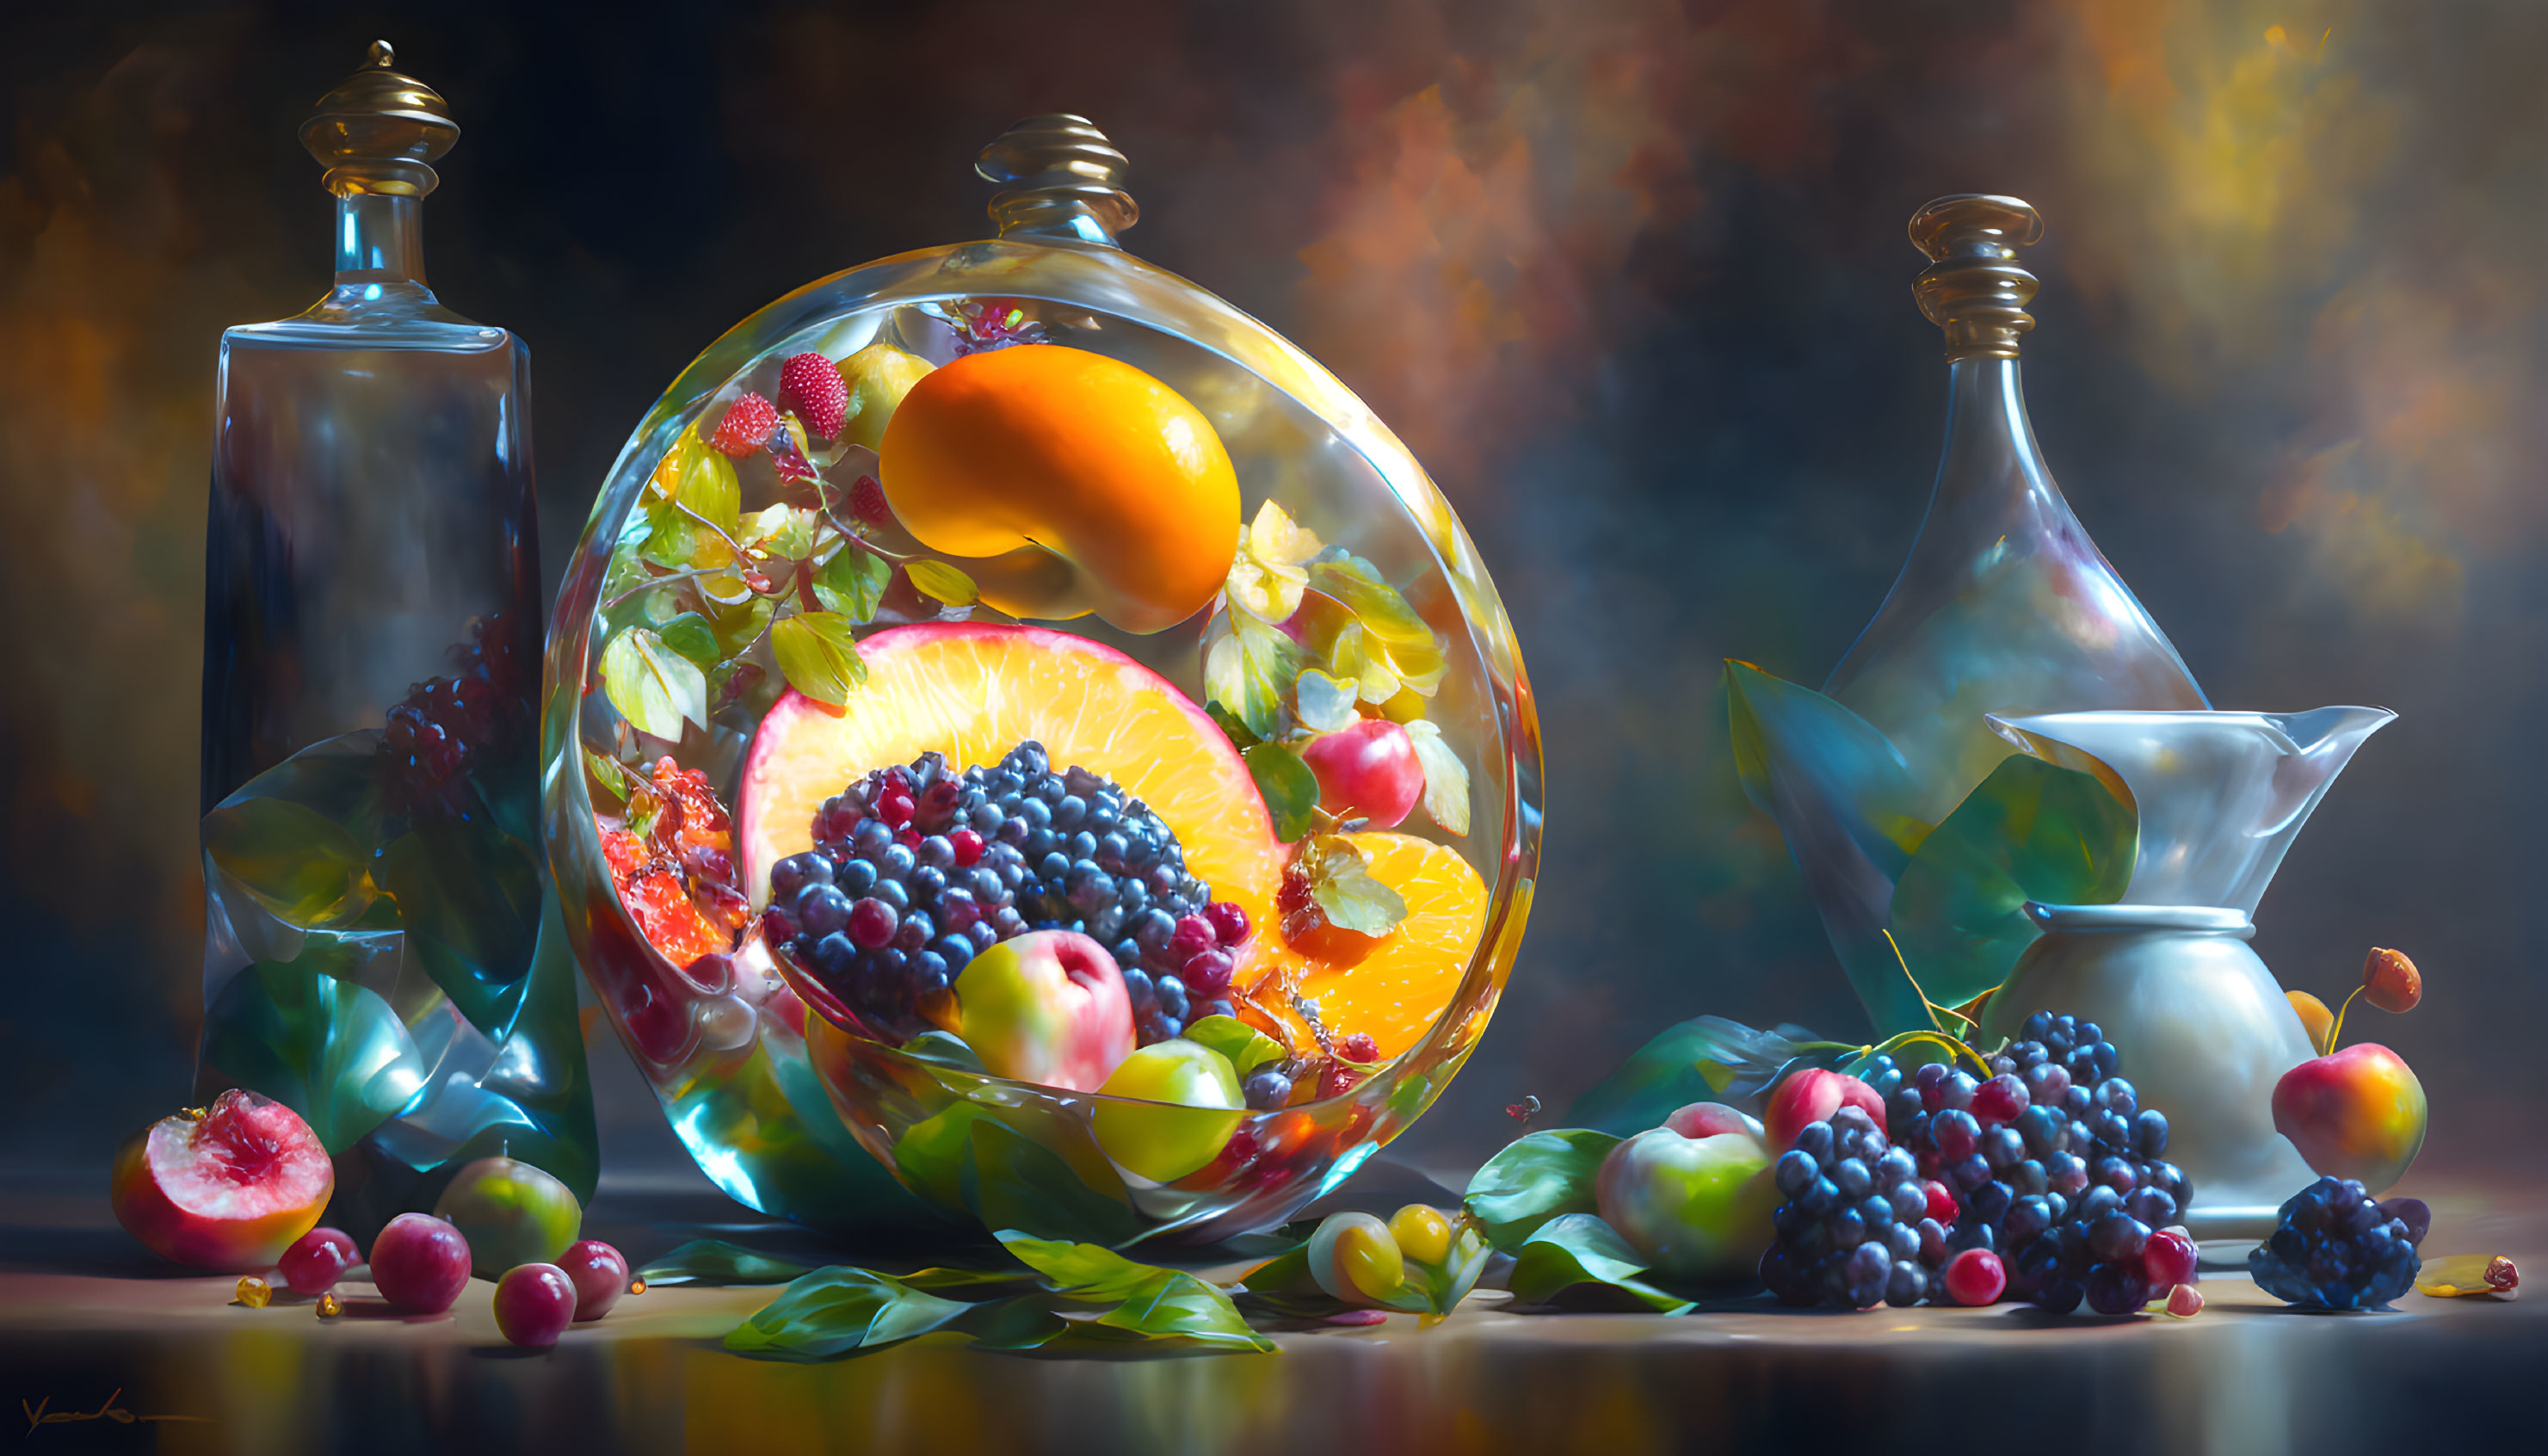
(968, 846)
(1359, 1047)
(1942, 1204)
(1229, 922)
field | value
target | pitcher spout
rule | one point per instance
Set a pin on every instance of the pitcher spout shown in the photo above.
(2221, 795)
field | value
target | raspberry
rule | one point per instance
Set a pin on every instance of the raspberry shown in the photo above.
(809, 385)
(1359, 1047)
(746, 426)
(868, 502)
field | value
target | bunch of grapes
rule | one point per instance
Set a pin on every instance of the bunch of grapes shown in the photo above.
(2034, 1159)
(449, 727)
(2334, 1248)
(916, 869)
(1858, 1227)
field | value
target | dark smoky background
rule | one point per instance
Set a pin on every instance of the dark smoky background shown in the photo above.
(1628, 275)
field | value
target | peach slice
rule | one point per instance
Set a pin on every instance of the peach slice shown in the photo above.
(225, 1187)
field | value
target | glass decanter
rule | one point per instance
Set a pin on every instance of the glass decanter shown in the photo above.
(2004, 606)
(377, 953)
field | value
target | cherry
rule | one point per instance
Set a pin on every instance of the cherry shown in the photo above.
(1368, 771)
(420, 1263)
(599, 1274)
(2169, 1259)
(318, 1259)
(1229, 922)
(534, 1303)
(1975, 1277)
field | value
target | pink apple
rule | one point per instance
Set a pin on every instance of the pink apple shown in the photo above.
(1047, 1006)
(2358, 1114)
(1368, 771)
(1812, 1096)
(1697, 1207)
(1707, 1118)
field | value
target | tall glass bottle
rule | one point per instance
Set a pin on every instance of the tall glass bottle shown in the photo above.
(2005, 605)
(380, 945)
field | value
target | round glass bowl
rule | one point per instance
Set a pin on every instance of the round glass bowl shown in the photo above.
(753, 626)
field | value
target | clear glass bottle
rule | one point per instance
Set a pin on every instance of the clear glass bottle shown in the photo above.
(376, 889)
(2005, 605)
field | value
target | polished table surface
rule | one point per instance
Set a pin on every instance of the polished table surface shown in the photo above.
(88, 1324)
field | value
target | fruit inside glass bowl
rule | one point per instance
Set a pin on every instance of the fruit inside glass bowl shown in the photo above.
(1027, 746)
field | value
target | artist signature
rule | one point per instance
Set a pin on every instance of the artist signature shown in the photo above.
(37, 1414)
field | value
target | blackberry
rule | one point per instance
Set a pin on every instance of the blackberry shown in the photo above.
(1855, 1230)
(919, 869)
(2334, 1248)
(2053, 1164)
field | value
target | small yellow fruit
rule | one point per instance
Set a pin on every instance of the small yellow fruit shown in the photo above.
(1423, 1235)
(1355, 1258)
(878, 375)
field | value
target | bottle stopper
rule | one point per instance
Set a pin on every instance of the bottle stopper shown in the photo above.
(380, 130)
(1067, 180)
(1973, 288)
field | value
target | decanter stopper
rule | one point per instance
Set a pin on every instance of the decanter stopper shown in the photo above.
(1067, 180)
(1973, 289)
(380, 130)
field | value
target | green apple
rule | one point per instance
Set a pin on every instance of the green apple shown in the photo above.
(1047, 1006)
(1170, 1107)
(511, 1213)
(1697, 1208)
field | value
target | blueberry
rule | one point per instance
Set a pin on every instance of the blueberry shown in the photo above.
(833, 954)
(954, 949)
(793, 873)
(1795, 1171)
(1267, 1089)
(822, 909)
(871, 839)
(855, 878)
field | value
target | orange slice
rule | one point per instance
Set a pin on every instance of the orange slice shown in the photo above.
(973, 691)
(1394, 992)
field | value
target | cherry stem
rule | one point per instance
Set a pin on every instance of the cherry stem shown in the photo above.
(2336, 1028)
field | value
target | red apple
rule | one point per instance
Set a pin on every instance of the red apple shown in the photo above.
(225, 1187)
(1368, 771)
(1047, 1006)
(1812, 1096)
(1707, 1118)
(2358, 1114)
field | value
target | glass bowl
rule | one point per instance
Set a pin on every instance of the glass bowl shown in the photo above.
(694, 740)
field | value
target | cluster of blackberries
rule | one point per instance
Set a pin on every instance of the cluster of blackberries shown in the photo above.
(2334, 1248)
(917, 870)
(447, 726)
(1858, 1227)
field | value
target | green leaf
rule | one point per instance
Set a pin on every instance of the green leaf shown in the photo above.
(1240, 734)
(1325, 703)
(786, 532)
(330, 1050)
(944, 1048)
(1535, 1179)
(1844, 798)
(939, 579)
(1579, 1248)
(1084, 1271)
(1246, 1047)
(296, 862)
(1384, 614)
(1345, 890)
(1175, 1305)
(1704, 1060)
(1291, 791)
(607, 774)
(653, 687)
(2031, 830)
(841, 1310)
(1249, 669)
(713, 1261)
(853, 581)
(1446, 778)
(819, 652)
(1011, 1181)
(691, 635)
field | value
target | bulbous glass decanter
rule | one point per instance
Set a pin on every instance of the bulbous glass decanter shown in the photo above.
(375, 884)
(2004, 606)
